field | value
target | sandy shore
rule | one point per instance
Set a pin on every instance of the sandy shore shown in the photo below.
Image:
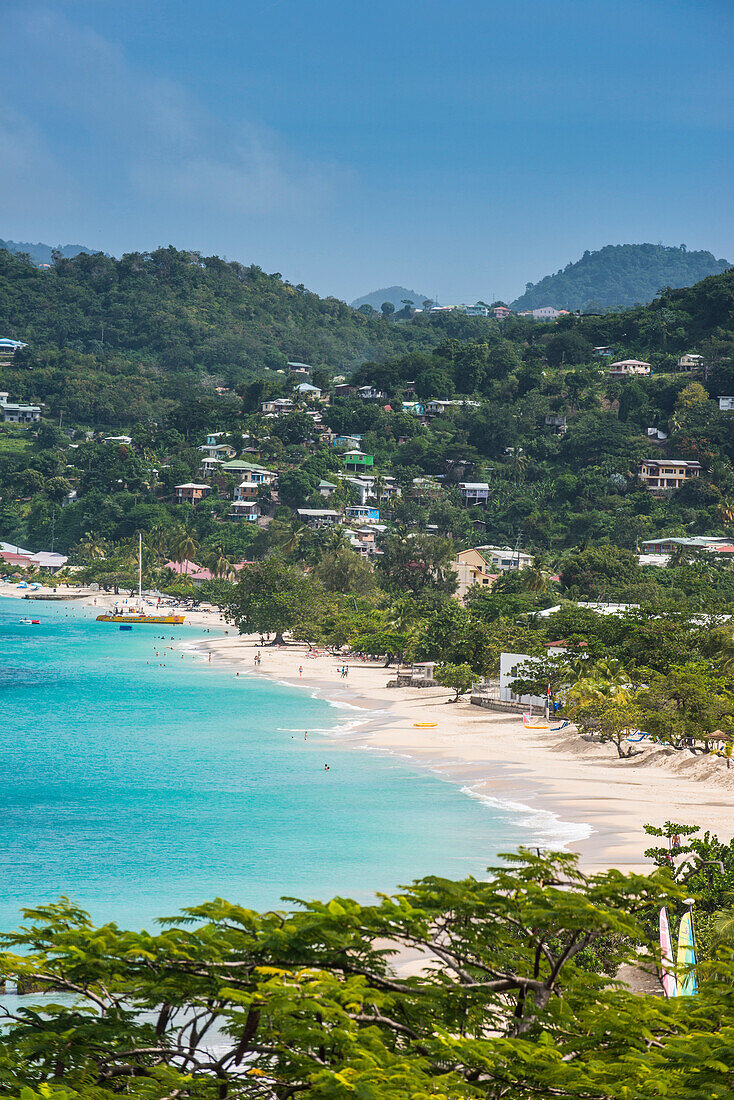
(567, 791)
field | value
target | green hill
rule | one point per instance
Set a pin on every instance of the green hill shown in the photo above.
(395, 294)
(186, 311)
(619, 276)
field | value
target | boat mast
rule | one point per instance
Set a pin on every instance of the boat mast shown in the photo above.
(140, 567)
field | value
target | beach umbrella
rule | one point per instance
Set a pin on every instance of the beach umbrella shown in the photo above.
(687, 981)
(670, 985)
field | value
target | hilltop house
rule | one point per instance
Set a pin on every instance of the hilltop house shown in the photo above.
(500, 312)
(623, 368)
(664, 474)
(548, 313)
(18, 414)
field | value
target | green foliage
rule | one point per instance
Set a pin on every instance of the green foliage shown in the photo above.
(270, 597)
(619, 275)
(458, 677)
(306, 1003)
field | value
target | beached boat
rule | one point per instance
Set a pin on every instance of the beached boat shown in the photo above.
(139, 614)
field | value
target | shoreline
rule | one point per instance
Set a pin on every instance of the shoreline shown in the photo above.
(567, 791)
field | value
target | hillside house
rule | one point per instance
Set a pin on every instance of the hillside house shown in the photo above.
(299, 368)
(192, 492)
(668, 543)
(18, 414)
(356, 460)
(691, 362)
(626, 368)
(557, 421)
(484, 564)
(252, 479)
(326, 488)
(362, 513)
(474, 493)
(726, 404)
(476, 310)
(316, 518)
(307, 391)
(247, 510)
(8, 349)
(660, 475)
(547, 313)
(426, 488)
(500, 312)
(371, 393)
(210, 466)
(276, 406)
(346, 441)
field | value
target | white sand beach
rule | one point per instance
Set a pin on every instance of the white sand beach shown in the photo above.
(570, 790)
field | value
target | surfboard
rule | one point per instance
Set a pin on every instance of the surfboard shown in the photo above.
(666, 956)
(687, 982)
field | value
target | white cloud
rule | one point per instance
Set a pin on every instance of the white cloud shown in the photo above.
(145, 137)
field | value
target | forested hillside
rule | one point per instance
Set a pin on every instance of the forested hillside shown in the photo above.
(619, 275)
(149, 320)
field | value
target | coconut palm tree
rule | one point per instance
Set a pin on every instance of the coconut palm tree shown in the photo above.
(604, 679)
(184, 547)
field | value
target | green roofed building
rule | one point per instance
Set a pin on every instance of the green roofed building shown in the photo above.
(357, 460)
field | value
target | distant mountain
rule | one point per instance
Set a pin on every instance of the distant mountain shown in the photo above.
(42, 253)
(394, 294)
(620, 275)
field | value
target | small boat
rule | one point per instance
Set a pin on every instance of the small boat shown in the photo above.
(125, 626)
(26, 622)
(531, 722)
(36, 622)
(127, 615)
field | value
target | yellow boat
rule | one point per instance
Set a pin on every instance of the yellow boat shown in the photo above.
(141, 617)
(137, 614)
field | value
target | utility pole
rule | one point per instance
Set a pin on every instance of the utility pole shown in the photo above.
(53, 529)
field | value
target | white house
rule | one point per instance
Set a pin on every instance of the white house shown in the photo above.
(18, 414)
(548, 313)
(624, 368)
(276, 405)
(726, 404)
(305, 389)
(690, 361)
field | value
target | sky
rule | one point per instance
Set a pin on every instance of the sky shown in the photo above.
(458, 148)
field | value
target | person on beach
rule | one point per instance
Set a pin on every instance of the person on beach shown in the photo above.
(305, 736)
(300, 670)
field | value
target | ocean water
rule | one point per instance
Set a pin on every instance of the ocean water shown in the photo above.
(137, 784)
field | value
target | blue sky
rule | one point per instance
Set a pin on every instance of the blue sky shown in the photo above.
(460, 149)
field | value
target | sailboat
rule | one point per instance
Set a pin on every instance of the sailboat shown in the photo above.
(138, 614)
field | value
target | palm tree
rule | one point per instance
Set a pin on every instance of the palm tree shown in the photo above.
(604, 679)
(536, 579)
(184, 547)
(219, 563)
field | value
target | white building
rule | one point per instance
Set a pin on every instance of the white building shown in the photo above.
(548, 313)
(624, 368)
(726, 404)
(18, 414)
(690, 361)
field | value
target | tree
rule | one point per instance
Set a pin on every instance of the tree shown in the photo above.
(611, 718)
(458, 677)
(270, 597)
(518, 1002)
(419, 562)
(600, 570)
(387, 309)
(569, 348)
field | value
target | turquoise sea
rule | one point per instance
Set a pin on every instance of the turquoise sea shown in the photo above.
(137, 784)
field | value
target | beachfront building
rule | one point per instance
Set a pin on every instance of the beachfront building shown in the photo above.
(316, 518)
(474, 493)
(192, 492)
(661, 475)
(18, 414)
(627, 368)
